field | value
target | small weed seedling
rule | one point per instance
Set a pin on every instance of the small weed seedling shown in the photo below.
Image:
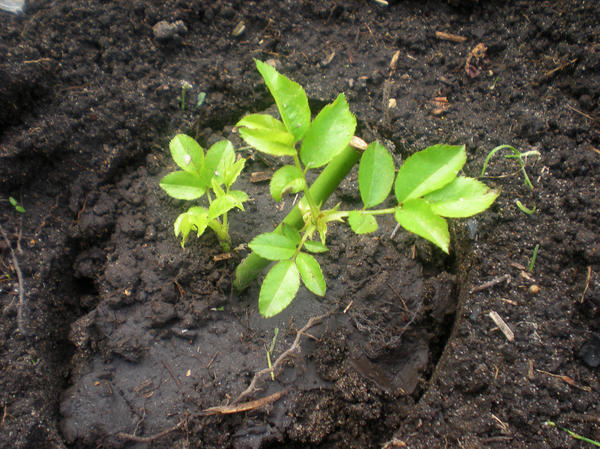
(427, 189)
(204, 174)
(520, 157)
(16, 205)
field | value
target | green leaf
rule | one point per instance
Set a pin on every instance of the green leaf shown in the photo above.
(311, 273)
(196, 218)
(463, 197)
(273, 246)
(288, 179)
(315, 247)
(222, 205)
(187, 153)
(232, 172)
(267, 142)
(416, 216)
(362, 223)
(290, 98)
(279, 288)
(429, 170)
(329, 133)
(291, 233)
(16, 205)
(262, 121)
(375, 174)
(217, 189)
(239, 195)
(183, 185)
(219, 155)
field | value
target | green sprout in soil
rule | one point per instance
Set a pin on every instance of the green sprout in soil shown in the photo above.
(521, 158)
(427, 189)
(524, 208)
(16, 205)
(212, 174)
(573, 434)
(533, 257)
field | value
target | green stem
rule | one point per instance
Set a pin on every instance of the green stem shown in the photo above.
(320, 190)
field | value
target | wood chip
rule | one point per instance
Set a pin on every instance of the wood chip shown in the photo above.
(260, 176)
(510, 336)
(221, 257)
(450, 37)
(394, 61)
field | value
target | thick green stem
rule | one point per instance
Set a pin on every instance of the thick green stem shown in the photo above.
(320, 190)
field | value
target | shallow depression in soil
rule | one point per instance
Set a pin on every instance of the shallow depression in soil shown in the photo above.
(168, 337)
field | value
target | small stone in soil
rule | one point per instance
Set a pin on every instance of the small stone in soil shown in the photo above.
(590, 352)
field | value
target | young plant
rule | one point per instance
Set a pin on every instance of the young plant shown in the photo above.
(427, 188)
(212, 174)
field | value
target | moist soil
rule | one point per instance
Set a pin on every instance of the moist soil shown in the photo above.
(113, 336)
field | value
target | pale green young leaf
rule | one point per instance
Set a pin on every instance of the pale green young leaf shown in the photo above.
(216, 187)
(329, 134)
(183, 185)
(187, 153)
(239, 195)
(463, 197)
(268, 142)
(262, 121)
(311, 273)
(220, 155)
(416, 216)
(290, 98)
(287, 179)
(196, 218)
(273, 246)
(429, 170)
(362, 223)
(232, 172)
(223, 204)
(375, 174)
(315, 247)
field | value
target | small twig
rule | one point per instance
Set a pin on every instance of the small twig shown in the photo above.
(282, 358)
(587, 283)
(450, 37)
(21, 306)
(177, 381)
(245, 407)
(508, 333)
(495, 281)
(130, 437)
(567, 380)
(582, 113)
(212, 359)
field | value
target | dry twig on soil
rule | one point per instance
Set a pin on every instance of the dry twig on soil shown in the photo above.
(21, 306)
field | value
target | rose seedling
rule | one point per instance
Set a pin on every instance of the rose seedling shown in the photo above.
(211, 174)
(427, 189)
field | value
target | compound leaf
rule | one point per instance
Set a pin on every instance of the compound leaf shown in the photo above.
(362, 223)
(183, 185)
(375, 174)
(279, 288)
(311, 273)
(463, 197)
(429, 170)
(290, 98)
(329, 134)
(187, 153)
(287, 179)
(222, 205)
(416, 216)
(273, 246)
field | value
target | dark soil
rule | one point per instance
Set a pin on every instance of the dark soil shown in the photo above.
(124, 332)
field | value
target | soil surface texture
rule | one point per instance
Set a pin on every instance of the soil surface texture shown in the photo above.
(113, 336)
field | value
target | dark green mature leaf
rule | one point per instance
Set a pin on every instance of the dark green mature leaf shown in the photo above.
(268, 142)
(375, 174)
(315, 247)
(429, 170)
(279, 288)
(311, 273)
(329, 134)
(463, 197)
(290, 99)
(183, 185)
(273, 246)
(362, 223)
(288, 179)
(416, 216)
(187, 153)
